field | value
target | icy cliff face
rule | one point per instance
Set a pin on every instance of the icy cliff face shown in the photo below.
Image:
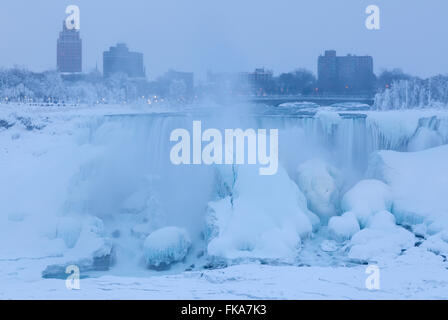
(89, 186)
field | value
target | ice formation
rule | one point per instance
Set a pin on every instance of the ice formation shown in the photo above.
(381, 239)
(343, 227)
(321, 184)
(265, 218)
(366, 198)
(425, 138)
(166, 246)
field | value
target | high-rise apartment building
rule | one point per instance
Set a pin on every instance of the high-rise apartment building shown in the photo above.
(346, 74)
(120, 60)
(69, 51)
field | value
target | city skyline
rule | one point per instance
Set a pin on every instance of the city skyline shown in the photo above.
(215, 38)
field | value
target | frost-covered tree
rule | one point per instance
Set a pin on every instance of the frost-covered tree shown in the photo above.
(414, 93)
(19, 85)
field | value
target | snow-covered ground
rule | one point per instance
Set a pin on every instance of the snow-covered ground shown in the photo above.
(93, 187)
(423, 277)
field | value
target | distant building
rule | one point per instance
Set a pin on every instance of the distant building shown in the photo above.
(259, 81)
(69, 51)
(345, 74)
(177, 84)
(260, 75)
(223, 83)
(120, 60)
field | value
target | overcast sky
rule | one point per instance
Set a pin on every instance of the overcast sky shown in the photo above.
(231, 35)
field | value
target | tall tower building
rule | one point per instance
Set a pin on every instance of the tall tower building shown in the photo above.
(69, 51)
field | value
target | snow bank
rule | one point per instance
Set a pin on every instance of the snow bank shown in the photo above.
(419, 183)
(39, 157)
(380, 238)
(321, 184)
(87, 244)
(367, 198)
(411, 190)
(166, 246)
(265, 218)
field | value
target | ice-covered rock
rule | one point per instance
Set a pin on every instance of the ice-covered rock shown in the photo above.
(367, 198)
(321, 184)
(166, 246)
(382, 239)
(265, 218)
(377, 244)
(381, 220)
(344, 227)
